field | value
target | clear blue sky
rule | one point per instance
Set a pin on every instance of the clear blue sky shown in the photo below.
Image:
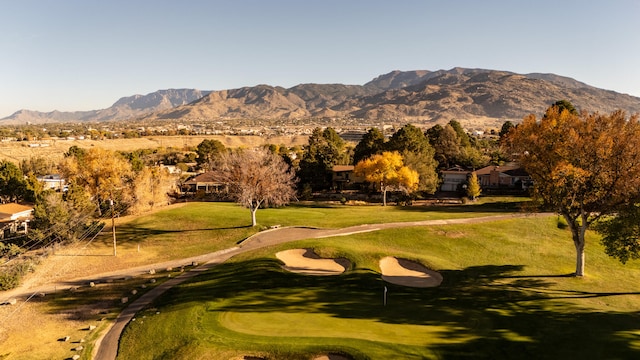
(86, 54)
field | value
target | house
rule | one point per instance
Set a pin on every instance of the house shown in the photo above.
(509, 176)
(343, 177)
(53, 181)
(202, 183)
(453, 178)
(14, 219)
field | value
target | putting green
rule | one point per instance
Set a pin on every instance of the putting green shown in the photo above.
(284, 324)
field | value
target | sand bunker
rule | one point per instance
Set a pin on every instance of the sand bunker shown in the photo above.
(306, 261)
(331, 357)
(408, 273)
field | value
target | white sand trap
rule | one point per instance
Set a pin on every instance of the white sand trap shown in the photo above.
(331, 357)
(408, 273)
(306, 261)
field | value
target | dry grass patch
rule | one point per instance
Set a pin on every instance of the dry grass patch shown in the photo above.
(20, 150)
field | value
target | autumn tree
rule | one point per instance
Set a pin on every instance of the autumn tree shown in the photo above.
(102, 173)
(105, 175)
(584, 166)
(255, 178)
(151, 187)
(473, 186)
(417, 154)
(388, 170)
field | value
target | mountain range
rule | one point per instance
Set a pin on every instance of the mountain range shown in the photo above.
(420, 96)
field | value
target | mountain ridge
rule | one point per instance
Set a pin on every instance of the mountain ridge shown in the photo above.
(416, 96)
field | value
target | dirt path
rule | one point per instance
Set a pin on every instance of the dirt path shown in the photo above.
(106, 347)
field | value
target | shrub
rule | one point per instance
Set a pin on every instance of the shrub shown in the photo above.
(11, 275)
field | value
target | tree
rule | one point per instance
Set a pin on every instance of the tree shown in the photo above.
(371, 143)
(38, 166)
(565, 105)
(425, 166)
(417, 154)
(447, 146)
(583, 166)
(255, 178)
(388, 170)
(61, 217)
(409, 138)
(506, 127)
(621, 233)
(207, 150)
(462, 135)
(324, 150)
(433, 133)
(103, 174)
(75, 152)
(473, 186)
(13, 186)
(150, 188)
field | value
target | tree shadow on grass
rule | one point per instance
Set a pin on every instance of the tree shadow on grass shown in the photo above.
(494, 207)
(484, 311)
(135, 233)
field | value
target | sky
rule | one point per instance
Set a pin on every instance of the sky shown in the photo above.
(72, 55)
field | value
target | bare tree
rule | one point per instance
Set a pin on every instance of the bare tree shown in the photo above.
(255, 178)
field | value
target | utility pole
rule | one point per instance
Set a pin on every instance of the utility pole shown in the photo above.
(113, 226)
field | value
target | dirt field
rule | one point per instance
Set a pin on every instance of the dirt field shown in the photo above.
(17, 151)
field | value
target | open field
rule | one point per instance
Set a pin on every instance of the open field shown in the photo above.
(17, 151)
(505, 292)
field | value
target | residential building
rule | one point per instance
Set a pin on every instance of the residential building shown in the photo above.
(14, 219)
(508, 176)
(343, 177)
(453, 178)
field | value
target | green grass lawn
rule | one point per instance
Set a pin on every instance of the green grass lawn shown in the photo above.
(505, 294)
(204, 227)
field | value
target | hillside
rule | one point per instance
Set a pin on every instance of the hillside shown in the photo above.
(477, 96)
(124, 108)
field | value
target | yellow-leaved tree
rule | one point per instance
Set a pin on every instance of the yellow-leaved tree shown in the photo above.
(105, 176)
(388, 170)
(473, 186)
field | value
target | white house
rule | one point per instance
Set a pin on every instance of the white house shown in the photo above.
(14, 218)
(452, 178)
(54, 181)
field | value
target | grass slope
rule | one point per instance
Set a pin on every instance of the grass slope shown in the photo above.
(179, 231)
(505, 294)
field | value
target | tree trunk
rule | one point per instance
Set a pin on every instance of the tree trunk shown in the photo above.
(253, 215)
(578, 235)
(383, 188)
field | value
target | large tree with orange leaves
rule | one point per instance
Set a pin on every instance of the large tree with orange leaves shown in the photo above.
(584, 166)
(388, 170)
